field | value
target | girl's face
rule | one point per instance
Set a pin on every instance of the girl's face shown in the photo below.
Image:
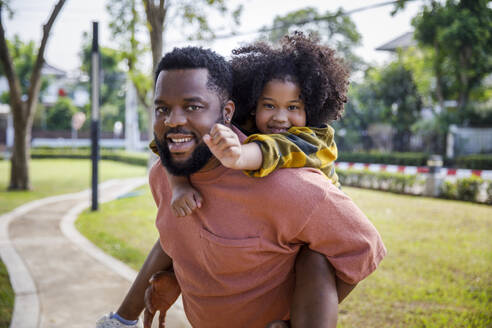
(279, 107)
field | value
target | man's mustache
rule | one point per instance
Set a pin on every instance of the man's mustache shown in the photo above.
(178, 130)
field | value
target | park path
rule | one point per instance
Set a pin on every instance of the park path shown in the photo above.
(59, 277)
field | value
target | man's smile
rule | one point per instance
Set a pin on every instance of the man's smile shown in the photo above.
(180, 143)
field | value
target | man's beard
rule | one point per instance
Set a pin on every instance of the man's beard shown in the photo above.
(200, 156)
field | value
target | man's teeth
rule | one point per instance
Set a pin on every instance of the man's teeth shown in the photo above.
(180, 140)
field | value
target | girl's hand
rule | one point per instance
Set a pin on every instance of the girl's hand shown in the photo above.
(185, 200)
(225, 145)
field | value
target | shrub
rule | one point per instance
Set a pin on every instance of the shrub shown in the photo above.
(448, 190)
(489, 193)
(468, 188)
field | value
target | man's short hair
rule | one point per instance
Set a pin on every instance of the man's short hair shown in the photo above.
(219, 70)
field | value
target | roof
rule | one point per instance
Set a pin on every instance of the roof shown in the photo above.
(52, 70)
(403, 41)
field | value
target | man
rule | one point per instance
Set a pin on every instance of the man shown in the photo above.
(234, 257)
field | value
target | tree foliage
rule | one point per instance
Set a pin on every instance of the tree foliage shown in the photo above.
(334, 29)
(460, 35)
(23, 58)
(112, 84)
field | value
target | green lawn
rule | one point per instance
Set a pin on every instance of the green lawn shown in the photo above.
(51, 177)
(438, 271)
(59, 176)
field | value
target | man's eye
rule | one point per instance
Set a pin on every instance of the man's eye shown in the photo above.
(161, 110)
(193, 108)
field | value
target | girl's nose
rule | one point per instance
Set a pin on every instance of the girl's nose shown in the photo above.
(280, 115)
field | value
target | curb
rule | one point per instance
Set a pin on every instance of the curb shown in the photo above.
(26, 295)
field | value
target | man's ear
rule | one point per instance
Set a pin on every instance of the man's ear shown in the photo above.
(228, 111)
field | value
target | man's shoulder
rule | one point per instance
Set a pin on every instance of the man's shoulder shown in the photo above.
(301, 180)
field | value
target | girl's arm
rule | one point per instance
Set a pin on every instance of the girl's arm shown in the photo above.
(227, 148)
(185, 198)
(298, 147)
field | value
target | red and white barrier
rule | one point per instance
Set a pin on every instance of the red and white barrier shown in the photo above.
(445, 172)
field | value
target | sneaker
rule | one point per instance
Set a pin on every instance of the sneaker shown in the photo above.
(107, 321)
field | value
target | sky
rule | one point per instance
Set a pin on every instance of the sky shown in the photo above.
(376, 26)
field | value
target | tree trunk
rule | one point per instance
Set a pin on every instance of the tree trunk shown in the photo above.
(23, 111)
(19, 168)
(156, 14)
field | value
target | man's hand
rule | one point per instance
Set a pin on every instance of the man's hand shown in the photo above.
(160, 296)
(225, 145)
(185, 200)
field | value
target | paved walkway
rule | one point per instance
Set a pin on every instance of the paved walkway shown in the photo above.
(59, 277)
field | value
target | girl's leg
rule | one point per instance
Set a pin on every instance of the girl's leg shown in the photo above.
(315, 300)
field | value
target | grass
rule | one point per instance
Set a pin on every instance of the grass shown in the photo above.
(438, 271)
(123, 228)
(48, 178)
(51, 177)
(6, 297)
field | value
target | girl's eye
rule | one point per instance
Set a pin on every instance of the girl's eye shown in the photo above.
(293, 107)
(268, 106)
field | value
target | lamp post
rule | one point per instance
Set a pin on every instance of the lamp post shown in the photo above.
(95, 86)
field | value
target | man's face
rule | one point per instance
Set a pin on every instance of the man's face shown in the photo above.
(185, 110)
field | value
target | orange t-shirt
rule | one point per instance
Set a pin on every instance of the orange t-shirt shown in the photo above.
(234, 257)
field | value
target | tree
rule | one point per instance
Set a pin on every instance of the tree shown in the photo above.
(402, 102)
(334, 29)
(23, 108)
(192, 14)
(363, 109)
(460, 34)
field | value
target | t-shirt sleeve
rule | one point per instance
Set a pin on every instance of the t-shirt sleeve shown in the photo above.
(338, 229)
(299, 147)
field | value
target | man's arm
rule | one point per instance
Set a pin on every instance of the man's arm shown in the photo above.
(133, 303)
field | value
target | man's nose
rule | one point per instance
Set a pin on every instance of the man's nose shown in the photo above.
(175, 118)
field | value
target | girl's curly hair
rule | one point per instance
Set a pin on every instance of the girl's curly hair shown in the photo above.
(322, 77)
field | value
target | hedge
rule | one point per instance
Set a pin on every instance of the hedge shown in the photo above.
(411, 159)
(395, 182)
(85, 153)
(476, 162)
(467, 189)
